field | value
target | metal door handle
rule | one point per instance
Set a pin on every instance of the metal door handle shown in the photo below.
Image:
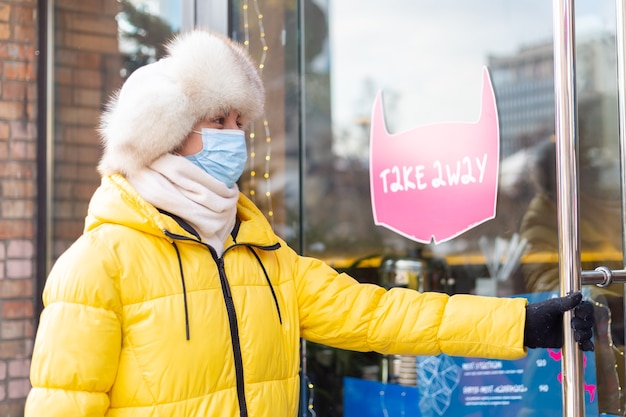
(603, 276)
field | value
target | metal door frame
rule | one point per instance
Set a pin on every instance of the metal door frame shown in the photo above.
(571, 276)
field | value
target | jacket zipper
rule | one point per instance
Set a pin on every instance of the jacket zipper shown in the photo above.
(232, 314)
(234, 335)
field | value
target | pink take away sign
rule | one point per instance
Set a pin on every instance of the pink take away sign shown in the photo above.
(435, 182)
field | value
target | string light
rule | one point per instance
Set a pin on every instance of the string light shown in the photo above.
(266, 176)
(310, 408)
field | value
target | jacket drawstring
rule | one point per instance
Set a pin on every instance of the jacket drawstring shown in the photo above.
(182, 275)
(267, 278)
(182, 278)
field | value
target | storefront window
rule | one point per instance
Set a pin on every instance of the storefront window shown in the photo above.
(269, 31)
(427, 59)
(323, 63)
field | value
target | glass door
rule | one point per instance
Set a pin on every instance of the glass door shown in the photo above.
(427, 60)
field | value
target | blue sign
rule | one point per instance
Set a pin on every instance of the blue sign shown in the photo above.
(362, 398)
(450, 386)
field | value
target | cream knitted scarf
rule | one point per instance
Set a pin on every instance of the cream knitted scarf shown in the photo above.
(176, 185)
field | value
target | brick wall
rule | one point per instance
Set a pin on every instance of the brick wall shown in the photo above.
(87, 70)
(18, 95)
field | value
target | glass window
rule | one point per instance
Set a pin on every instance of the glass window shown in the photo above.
(426, 58)
(269, 32)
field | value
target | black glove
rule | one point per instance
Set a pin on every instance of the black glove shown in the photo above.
(544, 322)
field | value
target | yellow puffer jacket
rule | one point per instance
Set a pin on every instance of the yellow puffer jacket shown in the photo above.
(143, 320)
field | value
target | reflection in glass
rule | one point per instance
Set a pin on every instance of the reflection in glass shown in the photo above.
(144, 28)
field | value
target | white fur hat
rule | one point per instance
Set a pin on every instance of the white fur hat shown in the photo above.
(204, 75)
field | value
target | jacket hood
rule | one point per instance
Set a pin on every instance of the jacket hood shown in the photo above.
(204, 75)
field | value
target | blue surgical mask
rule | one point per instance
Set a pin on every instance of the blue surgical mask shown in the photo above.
(223, 154)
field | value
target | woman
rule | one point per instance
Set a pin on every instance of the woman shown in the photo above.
(179, 299)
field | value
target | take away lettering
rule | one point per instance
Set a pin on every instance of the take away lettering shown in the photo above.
(416, 177)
